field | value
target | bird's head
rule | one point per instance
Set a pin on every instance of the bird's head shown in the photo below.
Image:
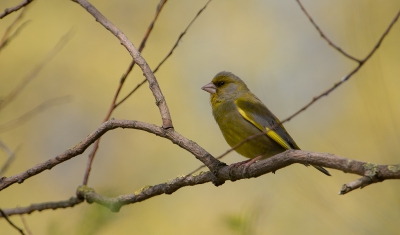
(225, 86)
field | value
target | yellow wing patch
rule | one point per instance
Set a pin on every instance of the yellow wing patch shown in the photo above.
(272, 134)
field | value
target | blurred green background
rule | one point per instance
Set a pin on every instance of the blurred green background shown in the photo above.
(273, 47)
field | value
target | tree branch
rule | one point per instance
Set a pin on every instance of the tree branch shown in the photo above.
(167, 56)
(325, 37)
(375, 173)
(139, 60)
(28, 231)
(3, 214)
(43, 206)
(371, 173)
(121, 83)
(6, 38)
(347, 77)
(176, 138)
(10, 159)
(10, 10)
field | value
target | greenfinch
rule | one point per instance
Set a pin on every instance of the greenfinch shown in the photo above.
(240, 114)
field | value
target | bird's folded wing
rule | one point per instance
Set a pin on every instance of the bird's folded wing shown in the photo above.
(257, 114)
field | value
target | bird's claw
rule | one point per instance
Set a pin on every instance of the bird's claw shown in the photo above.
(246, 164)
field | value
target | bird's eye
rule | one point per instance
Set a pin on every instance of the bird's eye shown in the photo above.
(220, 83)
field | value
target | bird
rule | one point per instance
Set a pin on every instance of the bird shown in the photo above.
(240, 114)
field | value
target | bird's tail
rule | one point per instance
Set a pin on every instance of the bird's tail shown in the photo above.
(323, 170)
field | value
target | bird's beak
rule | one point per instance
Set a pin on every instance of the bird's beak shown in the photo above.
(210, 88)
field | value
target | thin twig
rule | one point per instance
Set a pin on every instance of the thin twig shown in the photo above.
(11, 26)
(28, 231)
(43, 206)
(11, 223)
(358, 184)
(121, 83)
(6, 41)
(10, 10)
(139, 60)
(325, 37)
(167, 56)
(30, 114)
(10, 159)
(33, 74)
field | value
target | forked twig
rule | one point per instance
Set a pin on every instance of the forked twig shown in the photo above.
(3, 214)
(121, 83)
(6, 41)
(325, 37)
(167, 56)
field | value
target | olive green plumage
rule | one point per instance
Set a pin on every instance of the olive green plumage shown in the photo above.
(240, 114)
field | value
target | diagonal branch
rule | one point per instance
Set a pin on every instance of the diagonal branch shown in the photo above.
(167, 56)
(213, 164)
(28, 231)
(139, 60)
(3, 214)
(6, 38)
(348, 76)
(10, 159)
(325, 37)
(10, 10)
(5, 41)
(121, 83)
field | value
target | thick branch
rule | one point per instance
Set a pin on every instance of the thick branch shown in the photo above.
(371, 173)
(139, 60)
(176, 138)
(375, 173)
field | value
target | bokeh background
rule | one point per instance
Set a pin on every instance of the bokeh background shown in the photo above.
(273, 47)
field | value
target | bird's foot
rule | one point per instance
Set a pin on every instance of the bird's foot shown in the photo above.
(246, 164)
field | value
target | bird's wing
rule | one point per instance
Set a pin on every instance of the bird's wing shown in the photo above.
(257, 114)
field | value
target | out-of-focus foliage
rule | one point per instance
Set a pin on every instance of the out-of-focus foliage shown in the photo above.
(273, 47)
